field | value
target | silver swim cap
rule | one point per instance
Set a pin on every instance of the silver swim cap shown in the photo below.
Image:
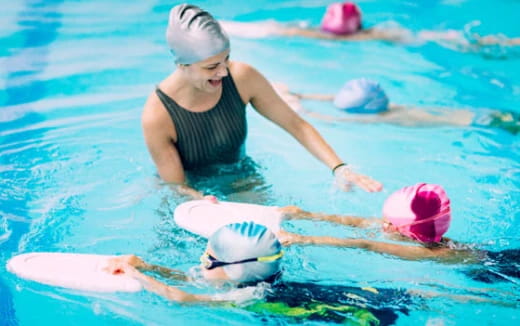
(194, 35)
(240, 241)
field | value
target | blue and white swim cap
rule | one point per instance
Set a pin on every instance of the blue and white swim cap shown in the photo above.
(239, 241)
(361, 96)
(194, 35)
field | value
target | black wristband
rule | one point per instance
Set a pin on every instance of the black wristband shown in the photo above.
(337, 166)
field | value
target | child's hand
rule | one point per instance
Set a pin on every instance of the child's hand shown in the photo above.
(122, 264)
(291, 209)
(211, 198)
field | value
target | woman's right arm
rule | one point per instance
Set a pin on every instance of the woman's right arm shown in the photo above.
(159, 135)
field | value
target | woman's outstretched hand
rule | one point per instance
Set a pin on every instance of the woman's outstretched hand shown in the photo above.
(345, 177)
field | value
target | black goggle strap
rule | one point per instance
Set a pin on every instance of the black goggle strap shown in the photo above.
(211, 262)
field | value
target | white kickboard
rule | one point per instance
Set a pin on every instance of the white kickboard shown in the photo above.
(203, 217)
(74, 271)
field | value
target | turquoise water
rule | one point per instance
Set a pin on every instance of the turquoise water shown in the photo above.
(76, 175)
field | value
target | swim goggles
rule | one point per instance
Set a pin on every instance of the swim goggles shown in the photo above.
(210, 262)
(388, 226)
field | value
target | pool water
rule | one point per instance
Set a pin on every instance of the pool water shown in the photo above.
(76, 175)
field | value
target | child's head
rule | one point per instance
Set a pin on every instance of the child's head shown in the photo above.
(342, 18)
(361, 96)
(246, 252)
(421, 212)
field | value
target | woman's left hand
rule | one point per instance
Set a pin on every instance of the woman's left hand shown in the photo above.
(345, 177)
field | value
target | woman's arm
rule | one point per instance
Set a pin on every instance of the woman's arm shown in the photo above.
(159, 134)
(265, 100)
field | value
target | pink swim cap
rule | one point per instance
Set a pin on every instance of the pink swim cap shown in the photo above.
(421, 212)
(342, 18)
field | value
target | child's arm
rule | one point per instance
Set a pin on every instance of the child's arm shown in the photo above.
(315, 97)
(164, 290)
(294, 212)
(116, 263)
(465, 298)
(173, 293)
(397, 250)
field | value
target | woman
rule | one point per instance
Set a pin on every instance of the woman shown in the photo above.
(422, 214)
(196, 116)
(342, 22)
(365, 101)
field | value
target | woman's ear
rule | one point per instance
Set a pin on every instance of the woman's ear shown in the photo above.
(182, 66)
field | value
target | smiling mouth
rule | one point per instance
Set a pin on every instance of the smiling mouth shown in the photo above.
(215, 83)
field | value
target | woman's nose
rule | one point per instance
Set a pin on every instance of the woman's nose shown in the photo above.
(222, 70)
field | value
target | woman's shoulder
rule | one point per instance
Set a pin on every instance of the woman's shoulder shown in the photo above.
(243, 72)
(154, 113)
(249, 81)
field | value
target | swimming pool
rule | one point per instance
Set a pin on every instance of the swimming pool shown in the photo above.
(76, 176)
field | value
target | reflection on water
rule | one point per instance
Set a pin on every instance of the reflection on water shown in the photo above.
(242, 181)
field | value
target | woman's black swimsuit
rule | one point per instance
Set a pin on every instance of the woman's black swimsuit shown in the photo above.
(210, 137)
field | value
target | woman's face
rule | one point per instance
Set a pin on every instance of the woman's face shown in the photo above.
(207, 75)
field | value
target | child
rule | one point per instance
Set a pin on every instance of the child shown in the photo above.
(422, 214)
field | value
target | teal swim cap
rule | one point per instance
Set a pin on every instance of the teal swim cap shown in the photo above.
(194, 35)
(239, 241)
